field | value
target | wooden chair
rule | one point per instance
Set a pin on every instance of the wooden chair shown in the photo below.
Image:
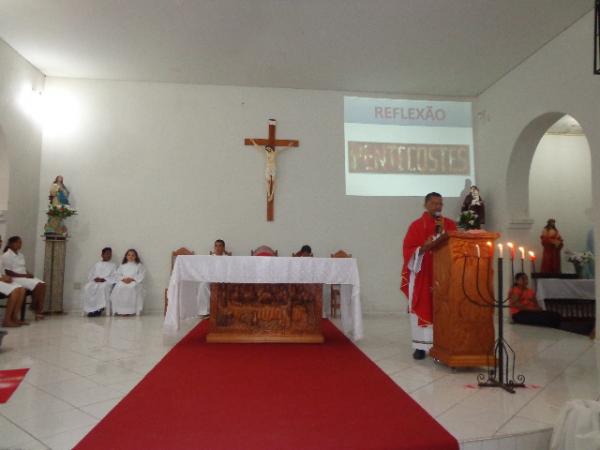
(23, 306)
(299, 254)
(174, 255)
(335, 288)
(264, 250)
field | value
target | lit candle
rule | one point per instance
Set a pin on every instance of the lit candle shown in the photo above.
(490, 248)
(500, 250)
(522, 251)
(512, 250)
(478, 250)
(532, 259)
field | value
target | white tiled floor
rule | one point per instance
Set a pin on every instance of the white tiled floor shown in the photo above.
(81, 368)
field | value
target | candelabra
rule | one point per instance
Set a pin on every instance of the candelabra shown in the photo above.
(501, 371)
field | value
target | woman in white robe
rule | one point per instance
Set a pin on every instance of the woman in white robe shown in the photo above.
(127, 297)
(95, 296)
(15, 297)
(14, 266)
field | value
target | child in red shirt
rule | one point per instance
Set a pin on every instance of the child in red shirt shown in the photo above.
(524, 307)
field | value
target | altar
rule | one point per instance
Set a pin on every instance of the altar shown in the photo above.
(264, 270)
(557, 288)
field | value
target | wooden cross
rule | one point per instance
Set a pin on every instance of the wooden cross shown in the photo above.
(270, 145)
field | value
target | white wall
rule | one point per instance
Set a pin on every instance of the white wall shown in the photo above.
(556, 80)
(20, 150)
(560, 186)
(4, 180)
(158, 166)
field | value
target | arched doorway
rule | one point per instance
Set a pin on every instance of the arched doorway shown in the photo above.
(560, 187)
(550, 176)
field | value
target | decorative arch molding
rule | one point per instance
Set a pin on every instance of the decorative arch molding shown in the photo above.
(517, 177)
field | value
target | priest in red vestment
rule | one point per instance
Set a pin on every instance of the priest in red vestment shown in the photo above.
(423, 235)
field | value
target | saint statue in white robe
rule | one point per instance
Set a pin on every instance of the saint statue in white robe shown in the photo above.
(96, 294)
(128, 298)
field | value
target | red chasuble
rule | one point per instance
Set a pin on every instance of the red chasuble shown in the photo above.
(417, 234)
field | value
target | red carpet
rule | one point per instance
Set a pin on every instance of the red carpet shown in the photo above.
(9, 382)
(267, 396)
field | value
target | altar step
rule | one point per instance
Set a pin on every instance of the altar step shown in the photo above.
(534, 440)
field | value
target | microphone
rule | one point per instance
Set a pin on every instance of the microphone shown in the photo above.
(438, 222)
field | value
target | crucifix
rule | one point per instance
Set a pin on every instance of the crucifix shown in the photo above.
(269, 147)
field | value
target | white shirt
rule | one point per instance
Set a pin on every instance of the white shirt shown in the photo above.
(103, 269)
(14, 262)
(131, 270)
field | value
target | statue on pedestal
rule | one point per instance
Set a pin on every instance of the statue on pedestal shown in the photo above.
(552, 242)
(59, 194)
(58, 209)
(474, 203)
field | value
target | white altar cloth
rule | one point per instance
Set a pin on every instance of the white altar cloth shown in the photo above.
(564, 288)
(263, 269)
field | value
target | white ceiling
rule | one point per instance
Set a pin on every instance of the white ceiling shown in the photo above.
(432, 47)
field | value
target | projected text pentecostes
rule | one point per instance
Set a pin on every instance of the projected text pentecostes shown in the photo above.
(421, 159)
(407, 147)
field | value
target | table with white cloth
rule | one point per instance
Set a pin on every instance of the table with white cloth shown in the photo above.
(195, 269)
(564, 288)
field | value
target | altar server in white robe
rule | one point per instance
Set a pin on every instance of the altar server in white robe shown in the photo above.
(127, 297)
(13, 262)
(204, 288)
(16, 297)
(101, 279)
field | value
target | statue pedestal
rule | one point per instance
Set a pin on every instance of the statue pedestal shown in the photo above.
(54, 272)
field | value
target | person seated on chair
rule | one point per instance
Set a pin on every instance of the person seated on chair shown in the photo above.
(13, 262)
(219, 248)
(15, 297)
(304, 251)
(524, 307)
(101, 279)
(203, 298)
(127, 297)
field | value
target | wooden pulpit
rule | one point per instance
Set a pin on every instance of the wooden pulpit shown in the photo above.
(463, 328)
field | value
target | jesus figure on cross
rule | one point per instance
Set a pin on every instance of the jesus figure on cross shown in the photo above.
(270, 168)
(268, 145)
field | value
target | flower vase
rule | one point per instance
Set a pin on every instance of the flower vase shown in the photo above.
(587, 270)
(55, 226)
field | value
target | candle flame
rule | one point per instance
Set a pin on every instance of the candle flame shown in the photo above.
(510, 244)
(489, 243)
